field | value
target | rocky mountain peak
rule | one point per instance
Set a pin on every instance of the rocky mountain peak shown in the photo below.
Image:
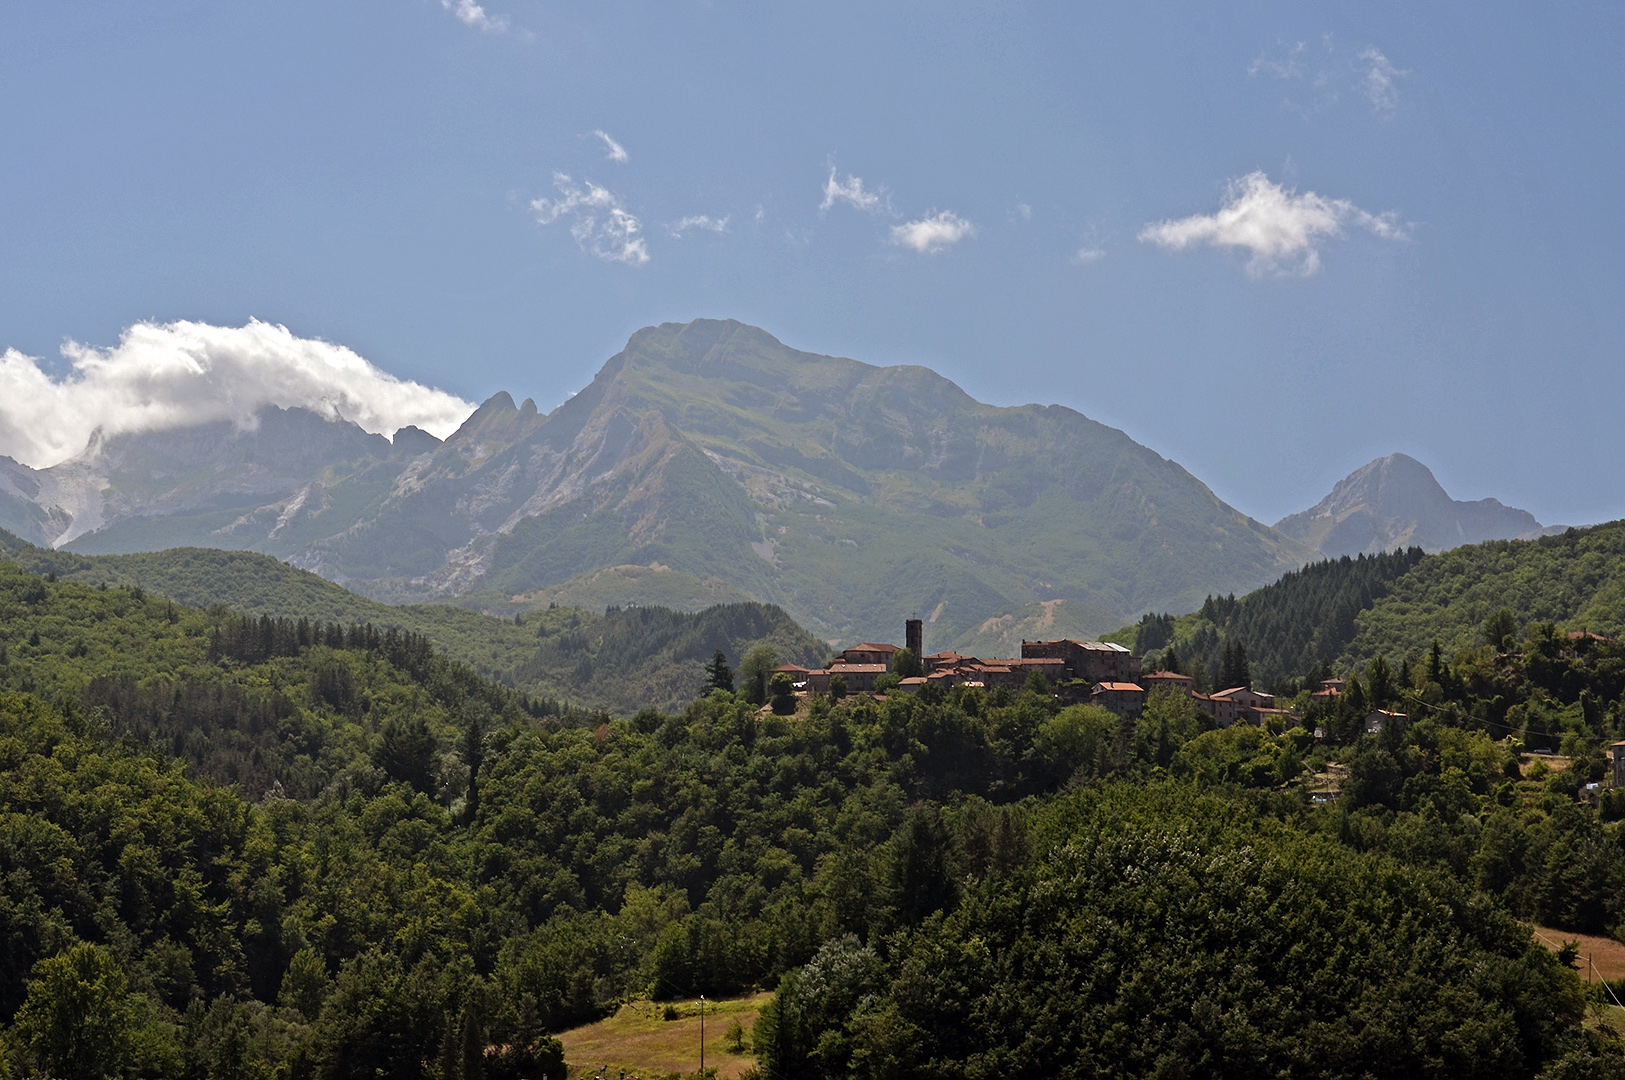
(1395, 502)
(704, 457)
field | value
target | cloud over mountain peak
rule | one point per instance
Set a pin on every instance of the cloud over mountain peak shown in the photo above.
(173, 375)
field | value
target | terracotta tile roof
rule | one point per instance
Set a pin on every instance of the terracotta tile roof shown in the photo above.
(1026, 661)
(870, 646)
(1120, 687)
(1095, 646)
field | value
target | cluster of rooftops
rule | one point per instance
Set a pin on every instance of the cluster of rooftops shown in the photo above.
(1098, 672)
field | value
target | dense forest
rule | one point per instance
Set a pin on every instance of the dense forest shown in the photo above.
(1340, 613)
(257, 847)
(1575, 579)
(251, 846)
(1290, 628)
(619, 659)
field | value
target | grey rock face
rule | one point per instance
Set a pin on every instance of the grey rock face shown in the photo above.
(1395, 502)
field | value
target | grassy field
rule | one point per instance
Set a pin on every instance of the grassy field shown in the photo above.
(640, 1040)
(1605, 955)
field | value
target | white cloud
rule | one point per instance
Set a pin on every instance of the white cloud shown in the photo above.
(1281, 228)
(1377, 78)
(601, 226)
(1089, 255)
(851, 192)
(471, 14)
(181, 374)
(615, 151)
(932, 233)
(1380, 81)
(698, 221)
(1286, 63)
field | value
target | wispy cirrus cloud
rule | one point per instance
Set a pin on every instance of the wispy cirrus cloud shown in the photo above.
(612, 149)
(1287, 61)
(1380, 81)
(853, 193)
(601, 226)
(933, 233)
(471, 14)
(1322, 73)
(702, 222)
(1281, 229)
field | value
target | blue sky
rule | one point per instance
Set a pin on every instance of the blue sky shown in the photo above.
(1271, 244)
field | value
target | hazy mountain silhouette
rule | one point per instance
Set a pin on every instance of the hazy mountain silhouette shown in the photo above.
(1395, 502)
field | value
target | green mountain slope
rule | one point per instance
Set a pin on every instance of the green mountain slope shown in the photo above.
(850, 495)
(1288, 628)
(1576, 579)
(1344, 612)
(622, 661)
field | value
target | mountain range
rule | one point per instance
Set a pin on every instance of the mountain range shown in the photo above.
(709, 463)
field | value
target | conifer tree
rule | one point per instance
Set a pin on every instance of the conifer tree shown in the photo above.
(407, 752)
(1233, 670)
(718, 675)
(473, 757)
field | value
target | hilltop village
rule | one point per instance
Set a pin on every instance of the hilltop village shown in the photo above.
(1095, 672)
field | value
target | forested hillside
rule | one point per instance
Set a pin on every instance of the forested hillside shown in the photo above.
(1339, 614)
(1576, 579)
(414, 872)
(620, 660)
(1287, 629)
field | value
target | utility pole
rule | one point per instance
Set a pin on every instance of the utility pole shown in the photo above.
(702, 1037)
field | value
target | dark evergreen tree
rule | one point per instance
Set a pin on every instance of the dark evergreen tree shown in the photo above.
(1437, 671)
(1380, 683)
(1153, 632)
(718, 675)
(406, 752)
(1233, 668)
(473, 757)
(921, 884)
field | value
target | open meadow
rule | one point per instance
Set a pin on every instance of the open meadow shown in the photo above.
(654, 1038)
